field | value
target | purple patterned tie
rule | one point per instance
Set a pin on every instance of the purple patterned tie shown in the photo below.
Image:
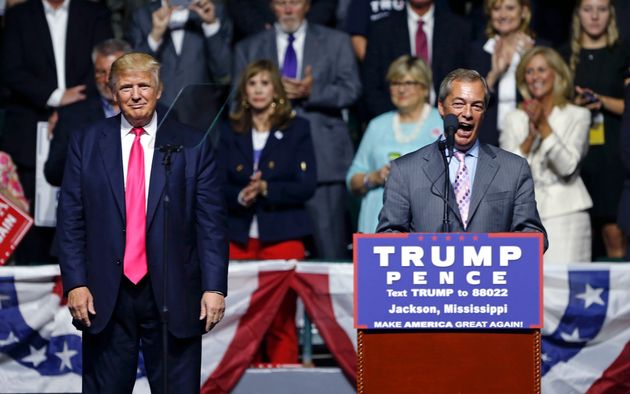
(462, 187)
(289, 68)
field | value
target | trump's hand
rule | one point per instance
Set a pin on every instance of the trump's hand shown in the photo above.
(81, 304)
(212, 309)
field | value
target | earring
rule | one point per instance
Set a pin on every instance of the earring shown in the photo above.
(281, 101)
(273, 105)
(244, 104)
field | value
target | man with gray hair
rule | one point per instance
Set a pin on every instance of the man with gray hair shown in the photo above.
(111, 232)
(94, 108)
(491, 190)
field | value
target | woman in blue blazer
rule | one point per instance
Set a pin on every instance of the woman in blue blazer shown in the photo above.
(270, 173)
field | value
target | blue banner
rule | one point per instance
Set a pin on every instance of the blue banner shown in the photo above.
(448, 281)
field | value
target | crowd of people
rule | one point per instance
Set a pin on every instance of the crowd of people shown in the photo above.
(308, 76)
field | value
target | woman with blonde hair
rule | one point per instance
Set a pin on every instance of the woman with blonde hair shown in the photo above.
(508, 36)
(414, 124)
(270, 173)
(552, 134)
(598, 60)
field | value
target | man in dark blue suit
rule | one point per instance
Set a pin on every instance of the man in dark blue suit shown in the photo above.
(111, 232)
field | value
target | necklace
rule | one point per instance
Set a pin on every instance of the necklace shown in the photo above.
(403, 138)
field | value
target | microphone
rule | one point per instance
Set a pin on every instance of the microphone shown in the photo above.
(168, 150)
(450, 127)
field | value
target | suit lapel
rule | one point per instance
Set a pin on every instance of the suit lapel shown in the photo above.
(270, 49)
(42, 33)
(165, 135)
(111, 153)
(272, 143)
(439, 32)
(73, 33)
(244, 144)
(486, 170)
(312, 52)
(402, 31)
(434, 170)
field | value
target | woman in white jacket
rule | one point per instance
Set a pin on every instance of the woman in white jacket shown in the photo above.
(552, 134)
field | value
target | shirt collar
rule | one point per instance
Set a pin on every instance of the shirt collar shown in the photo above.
(473, 151)
(48, 9)
(108, 107)
(426, 18)
(150, 128)
(489, 45)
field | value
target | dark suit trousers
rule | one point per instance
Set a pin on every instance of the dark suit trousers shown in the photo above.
(327, 209)
(110, 358)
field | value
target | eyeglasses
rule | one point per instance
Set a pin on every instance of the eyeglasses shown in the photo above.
(403, 84)
(284, 3)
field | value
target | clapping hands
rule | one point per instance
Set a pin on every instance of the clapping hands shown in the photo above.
(256, 187)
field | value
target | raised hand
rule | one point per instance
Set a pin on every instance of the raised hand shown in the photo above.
(205, 9)
(160, 19)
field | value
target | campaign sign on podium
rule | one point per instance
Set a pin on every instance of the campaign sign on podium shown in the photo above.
(448, 281)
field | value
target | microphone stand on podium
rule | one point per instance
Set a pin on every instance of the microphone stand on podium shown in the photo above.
(446, 150)
(168, 151)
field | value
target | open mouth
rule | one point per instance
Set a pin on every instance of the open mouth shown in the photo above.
(465, 127)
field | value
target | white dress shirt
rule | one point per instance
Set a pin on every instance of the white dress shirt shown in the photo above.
(179, 17)
(506, 90)
(147, 140)
(282, 41)
(58, 26)
(259, 140)
(427, 27)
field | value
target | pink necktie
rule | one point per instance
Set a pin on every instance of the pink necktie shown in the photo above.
(135, 266)
(422, 46)
(462, 187)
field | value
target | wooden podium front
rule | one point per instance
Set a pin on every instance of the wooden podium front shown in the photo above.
(448, 362)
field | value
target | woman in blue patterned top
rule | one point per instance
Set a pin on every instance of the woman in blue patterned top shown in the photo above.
(414, 124)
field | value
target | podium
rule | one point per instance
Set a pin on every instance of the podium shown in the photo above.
(454, 359)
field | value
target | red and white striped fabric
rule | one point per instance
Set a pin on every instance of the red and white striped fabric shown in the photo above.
(255, 290)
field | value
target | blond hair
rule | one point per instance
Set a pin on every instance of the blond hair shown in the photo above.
(612, 33)
(524, 27)
(562, 83)
(138, 62)
(412, 66)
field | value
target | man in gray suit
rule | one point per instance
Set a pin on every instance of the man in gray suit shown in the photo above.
(491, 190)
(321, 78)
(193, 47)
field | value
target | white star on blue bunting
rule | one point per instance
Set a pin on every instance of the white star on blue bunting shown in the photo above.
(591, 296)
(66, 357)
(36, 357)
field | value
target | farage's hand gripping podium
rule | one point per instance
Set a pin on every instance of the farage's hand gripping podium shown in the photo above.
(448, 313)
